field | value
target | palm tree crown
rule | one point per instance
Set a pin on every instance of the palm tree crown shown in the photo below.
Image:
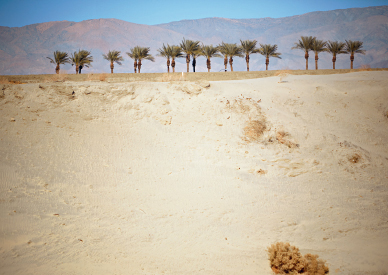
(209, 52)
(268, 51)
(166, 52)
(59, 58)
(248, 47)
(318, 46)
(335, 48)
(189, 47)
(230, 50)
(138, 54)
(353, 47)
(305, 43)
(81, 59)
(113, 56)
(176, 52)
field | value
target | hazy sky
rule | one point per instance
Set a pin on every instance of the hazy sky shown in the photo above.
(18, 13)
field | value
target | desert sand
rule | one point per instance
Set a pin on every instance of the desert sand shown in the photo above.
(193, 177)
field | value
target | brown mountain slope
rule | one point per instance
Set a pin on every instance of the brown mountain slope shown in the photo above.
(24, 50)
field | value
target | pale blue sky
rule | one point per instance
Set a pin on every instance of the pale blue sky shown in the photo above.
(18, 13)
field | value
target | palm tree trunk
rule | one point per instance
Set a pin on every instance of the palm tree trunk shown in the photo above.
(135, 65)
(226, 63)
(266, 63)
(307, 60)
(57, 69)
(231, 64)
(173, 65)
(111, 67)
(208, 65)
(168, 65)
(139, 65)
(334, 60)
(76, 69)
(351, 61)
(316, 61)
(188, 62)
(247, 60)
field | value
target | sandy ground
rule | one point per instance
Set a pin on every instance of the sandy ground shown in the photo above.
(180, 178)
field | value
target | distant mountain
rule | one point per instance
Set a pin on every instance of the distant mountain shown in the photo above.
(24, 50)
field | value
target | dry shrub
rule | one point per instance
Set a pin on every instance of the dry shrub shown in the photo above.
(365, 67)
(254, 130)
(315, 265)
(386, 114)
(287, 259)
(282, 74)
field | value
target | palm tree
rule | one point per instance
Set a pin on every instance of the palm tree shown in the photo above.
(134, 54)
(305, 43)
(269, 50)
(144, 53)
(59, 58)
(166, 52)
(223, 51)
(176, 52)
(249, 47)
(335, 48)
(81, 59)
(209, 52)
(189, 47)
(353, 47)
(113, 56)
(318, 46)
(230, 50)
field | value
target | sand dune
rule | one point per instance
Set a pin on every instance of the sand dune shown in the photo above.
(183, 178)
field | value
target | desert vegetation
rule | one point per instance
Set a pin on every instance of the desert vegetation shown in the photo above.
(287, 259)
(191, 49)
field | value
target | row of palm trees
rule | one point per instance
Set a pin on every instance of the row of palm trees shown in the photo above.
(309, 43)
(192, 49)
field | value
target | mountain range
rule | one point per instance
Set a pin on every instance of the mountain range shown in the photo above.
(23, 50)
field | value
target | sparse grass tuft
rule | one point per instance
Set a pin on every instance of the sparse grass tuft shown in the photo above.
(254, 130)
(61, 77)
(5, 80)
(286, 259)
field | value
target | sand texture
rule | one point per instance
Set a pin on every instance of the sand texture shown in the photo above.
(194, 177)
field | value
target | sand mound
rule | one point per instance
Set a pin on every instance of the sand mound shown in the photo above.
(193, 177)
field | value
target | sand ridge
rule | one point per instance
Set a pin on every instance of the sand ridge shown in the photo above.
(185, 178)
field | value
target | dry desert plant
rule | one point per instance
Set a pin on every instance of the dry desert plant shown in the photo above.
(282, 74)
(365, 67)
(61, 77)
(287, 259)
(254, 130)
(315, 265)
(103, 77)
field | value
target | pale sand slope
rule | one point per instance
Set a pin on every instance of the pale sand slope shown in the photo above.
(159, 178)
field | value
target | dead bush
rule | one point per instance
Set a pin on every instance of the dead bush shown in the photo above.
(254, 130)
(365, 67)
(103, 77)
(315, 265)
(286, 259)
(282, 74)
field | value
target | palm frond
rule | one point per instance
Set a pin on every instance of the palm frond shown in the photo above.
(269, 50)
(354, 47)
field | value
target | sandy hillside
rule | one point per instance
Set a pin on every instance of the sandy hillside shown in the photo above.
(180, 178)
